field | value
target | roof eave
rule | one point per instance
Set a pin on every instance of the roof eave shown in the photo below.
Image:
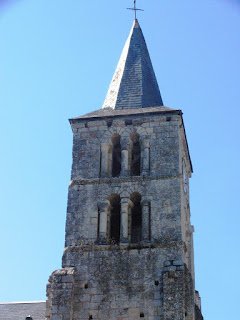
(147, 113)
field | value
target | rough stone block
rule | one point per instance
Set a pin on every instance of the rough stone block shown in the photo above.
(178, 263)
(167, 263)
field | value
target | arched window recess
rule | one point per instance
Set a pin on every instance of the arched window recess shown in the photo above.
(116, 155)
(135, 155)
(115, 219)
(136, 218)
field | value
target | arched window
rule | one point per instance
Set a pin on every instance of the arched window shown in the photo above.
(136, 218)
(116, 156)
(115, 218)
(135, 155)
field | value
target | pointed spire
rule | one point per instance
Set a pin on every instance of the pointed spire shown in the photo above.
(134, 83)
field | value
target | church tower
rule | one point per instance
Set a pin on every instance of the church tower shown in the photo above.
(129, 240)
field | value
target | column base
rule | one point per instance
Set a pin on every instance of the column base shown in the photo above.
(145, 173)
(102, 241)
(124, 241)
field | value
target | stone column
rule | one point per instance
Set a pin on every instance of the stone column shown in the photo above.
(145, 146)
(103, 207)
(130, 206)
(124, 163)
(145, 219)
(104, 160)
(124, 220)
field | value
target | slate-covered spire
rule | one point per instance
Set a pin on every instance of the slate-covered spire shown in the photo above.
(134, 84)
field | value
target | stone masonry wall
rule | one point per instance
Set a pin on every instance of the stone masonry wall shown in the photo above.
(159, 184)
(110, 284)
(178, 292)
(123, 285)
(162, 134)
(107, 281)
(186, 170)
(163, 196)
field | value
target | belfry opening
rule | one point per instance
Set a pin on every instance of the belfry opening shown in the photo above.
(116, 156)
(115, 218)
(136, 155)
(136, 218)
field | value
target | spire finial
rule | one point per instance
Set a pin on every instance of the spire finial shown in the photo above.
(135, 9)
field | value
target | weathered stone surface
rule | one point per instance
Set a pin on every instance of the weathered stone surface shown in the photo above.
(198, 314)
(178, 263)
(129, 240)
(121, 279)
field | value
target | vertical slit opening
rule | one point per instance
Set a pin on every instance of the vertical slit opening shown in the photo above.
(116, 156)
(136, 155)
(136, 225)
(115, 219)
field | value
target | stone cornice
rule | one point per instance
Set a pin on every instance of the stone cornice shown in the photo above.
(123, 179)
(128, 246)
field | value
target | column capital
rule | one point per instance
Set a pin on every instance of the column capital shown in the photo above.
(130, 203)
(145, 138)
(104, 146)
(145, 143)
(145, 201)
(125, 141)
(126, 201)
(103, 205)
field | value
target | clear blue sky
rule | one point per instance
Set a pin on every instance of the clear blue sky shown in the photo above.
(57, 59)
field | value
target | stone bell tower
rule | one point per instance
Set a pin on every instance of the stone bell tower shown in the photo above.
(129, 241)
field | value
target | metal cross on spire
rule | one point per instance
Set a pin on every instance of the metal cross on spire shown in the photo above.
(135, 9)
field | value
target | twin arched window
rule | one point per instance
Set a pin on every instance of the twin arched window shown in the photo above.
(134, 219)
(133, 154)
